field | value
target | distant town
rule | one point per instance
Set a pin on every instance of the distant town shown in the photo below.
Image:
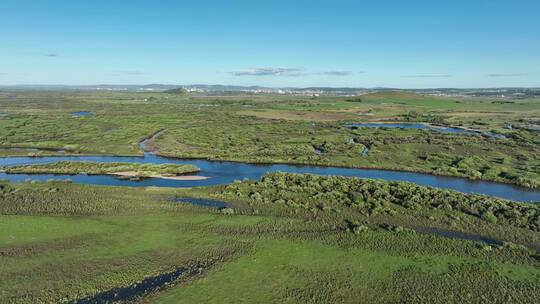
(204, 89)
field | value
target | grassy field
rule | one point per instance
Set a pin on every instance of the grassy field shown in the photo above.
(285, 129)
(60, 242)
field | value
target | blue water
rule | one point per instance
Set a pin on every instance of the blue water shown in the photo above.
(459, 235)
(130, 293)
(203, 202)
(421, 126)
(365, 151)
(223, 172)
(81, 114)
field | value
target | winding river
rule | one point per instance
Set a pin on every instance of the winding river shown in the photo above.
(224, 172)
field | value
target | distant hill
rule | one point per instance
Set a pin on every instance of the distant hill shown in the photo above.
(206, 89)
(179, 91)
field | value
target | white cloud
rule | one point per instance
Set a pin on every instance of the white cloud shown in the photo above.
(290, 72)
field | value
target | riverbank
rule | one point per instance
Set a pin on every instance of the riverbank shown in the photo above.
(134, 174)
(328, 160)
(264, 162)
(325, 164)
(223, 172)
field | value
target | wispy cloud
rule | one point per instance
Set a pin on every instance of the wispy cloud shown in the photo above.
(428, 76)
(128, 72)
(507, 75)
(336, 73)
(290, 72)
(52, 55)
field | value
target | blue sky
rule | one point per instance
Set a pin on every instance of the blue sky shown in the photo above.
(407, 44)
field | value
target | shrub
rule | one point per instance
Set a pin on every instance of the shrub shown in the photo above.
(227, 211)
(490, 217)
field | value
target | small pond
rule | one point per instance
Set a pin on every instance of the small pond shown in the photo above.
(209, 203)
(423, 126)
(81, 114)
(459, 235)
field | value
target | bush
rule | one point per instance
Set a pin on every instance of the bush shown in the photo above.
(227, 211)
(359, 229)
(375, 196)
(489, 216)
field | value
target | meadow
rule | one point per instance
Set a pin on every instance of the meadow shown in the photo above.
(61, 242)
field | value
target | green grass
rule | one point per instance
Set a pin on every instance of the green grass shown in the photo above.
(61, 242)
(138, 247)
(290, 272)
(75, 167)
(19, 230)
(333, 194)
(279, 267)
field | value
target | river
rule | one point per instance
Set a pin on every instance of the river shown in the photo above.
(224, 172)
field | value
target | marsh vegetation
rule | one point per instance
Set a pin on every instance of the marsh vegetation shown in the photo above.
(287, 237)
(114, 168)
(63, 242)
(284, 129)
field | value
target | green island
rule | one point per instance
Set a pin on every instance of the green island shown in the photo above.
(116, 168)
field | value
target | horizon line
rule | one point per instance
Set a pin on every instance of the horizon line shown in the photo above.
(267, 87)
